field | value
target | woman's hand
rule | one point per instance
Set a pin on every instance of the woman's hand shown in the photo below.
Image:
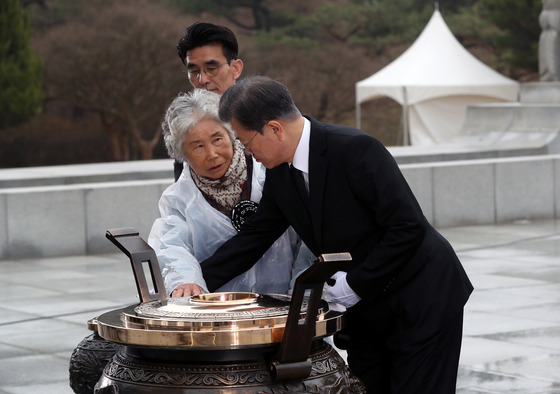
(187, 289)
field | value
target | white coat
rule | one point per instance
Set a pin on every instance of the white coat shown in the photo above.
(190, 230)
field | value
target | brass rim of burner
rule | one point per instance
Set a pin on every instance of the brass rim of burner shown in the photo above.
(112, 327)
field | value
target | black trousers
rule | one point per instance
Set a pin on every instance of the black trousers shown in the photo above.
(386, 364)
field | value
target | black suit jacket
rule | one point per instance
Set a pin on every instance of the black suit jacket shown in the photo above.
(359, 203)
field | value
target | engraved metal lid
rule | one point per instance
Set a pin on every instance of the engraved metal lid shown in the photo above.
(225, 311)
(216, 320)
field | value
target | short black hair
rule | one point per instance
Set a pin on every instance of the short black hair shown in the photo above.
(256, 100)
(201, 33)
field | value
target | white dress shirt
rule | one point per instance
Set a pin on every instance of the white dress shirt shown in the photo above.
(301, 155)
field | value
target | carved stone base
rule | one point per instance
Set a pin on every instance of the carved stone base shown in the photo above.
(88, 360)
(128, 374)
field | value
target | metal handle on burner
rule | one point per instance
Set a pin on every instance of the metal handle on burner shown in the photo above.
(129, 241)
(291, 361)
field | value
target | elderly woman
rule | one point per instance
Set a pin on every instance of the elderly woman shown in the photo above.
(207, 203)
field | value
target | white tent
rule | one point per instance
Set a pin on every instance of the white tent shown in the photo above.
(435, 80)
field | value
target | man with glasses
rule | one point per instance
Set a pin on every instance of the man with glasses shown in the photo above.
(342, 191)
(209, 53)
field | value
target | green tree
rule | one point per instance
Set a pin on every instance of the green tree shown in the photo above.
(246, 14)
(21, 93)
(519, 22)
(323, 53)
(120, 65)
(45, 16)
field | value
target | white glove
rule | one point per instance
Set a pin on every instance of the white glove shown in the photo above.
(341, 292)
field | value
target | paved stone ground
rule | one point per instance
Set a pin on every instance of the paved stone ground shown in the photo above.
(512, 321)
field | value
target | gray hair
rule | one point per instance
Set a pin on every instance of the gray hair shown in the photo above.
(184, 113)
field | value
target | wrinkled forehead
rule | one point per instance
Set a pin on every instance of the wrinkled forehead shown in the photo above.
(207, 54)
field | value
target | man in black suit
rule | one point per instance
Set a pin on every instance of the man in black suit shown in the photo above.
(405, 288)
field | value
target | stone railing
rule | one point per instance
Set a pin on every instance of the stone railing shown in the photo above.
(71, 216)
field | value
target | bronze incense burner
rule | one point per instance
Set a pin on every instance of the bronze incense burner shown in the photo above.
(231, 342)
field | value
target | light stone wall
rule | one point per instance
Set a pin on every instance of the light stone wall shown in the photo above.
(464, 194)
(487, 191)
(72, 219)
(556, 181)
(3, 227)
(524, 189)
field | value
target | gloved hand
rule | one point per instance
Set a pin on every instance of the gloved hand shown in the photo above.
(341, 292)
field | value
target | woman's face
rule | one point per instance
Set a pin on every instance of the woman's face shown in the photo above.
(209, 149)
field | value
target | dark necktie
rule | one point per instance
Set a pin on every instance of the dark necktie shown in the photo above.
(300, 182)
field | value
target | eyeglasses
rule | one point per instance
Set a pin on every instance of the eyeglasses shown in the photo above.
(249, 143)
(210, 70)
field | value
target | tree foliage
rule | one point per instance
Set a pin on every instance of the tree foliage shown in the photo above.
(113, 63)
(325, 51)
(21, 93)
(322, 54)
(122, 66)
(246, 14)
(519, 22)
(46, 14)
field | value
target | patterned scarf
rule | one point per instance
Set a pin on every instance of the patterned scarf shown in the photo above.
(226, 191)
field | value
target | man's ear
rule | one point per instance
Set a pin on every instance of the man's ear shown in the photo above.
(237, 68)
(277, 128)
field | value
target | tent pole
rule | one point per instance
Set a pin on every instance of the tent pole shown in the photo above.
(406, 131)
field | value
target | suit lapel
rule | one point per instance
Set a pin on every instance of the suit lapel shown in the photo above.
(318, 167)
